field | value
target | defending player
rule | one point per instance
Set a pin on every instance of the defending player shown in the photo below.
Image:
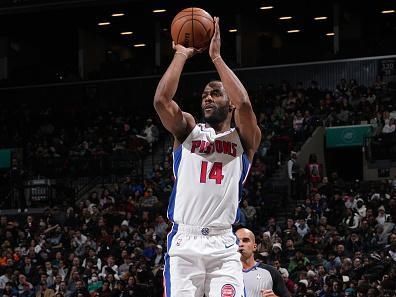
(210, 161)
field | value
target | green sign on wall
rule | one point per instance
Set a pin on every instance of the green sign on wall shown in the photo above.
(345, 136)
(5, 158)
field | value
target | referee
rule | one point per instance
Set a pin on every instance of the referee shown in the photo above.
(261, 280)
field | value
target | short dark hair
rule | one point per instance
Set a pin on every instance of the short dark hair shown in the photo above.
(214, 82)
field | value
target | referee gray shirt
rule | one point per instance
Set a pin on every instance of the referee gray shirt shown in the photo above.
(264, 277)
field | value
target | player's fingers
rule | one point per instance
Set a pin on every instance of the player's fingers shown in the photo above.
(217, 30)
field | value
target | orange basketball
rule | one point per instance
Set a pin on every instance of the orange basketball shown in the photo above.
(192, 27)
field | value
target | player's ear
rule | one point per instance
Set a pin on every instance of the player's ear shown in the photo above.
(231, 107)
(255, 247)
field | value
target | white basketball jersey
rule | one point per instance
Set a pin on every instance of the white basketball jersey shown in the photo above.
(209, 170)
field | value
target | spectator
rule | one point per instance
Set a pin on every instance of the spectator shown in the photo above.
(360, 208)
(9, 290)
(298, 126)
(351, 219)
(290, 285)
(298, 263)
(25, 288)
(94, 283)
(150, 133)
(389, 127)
(250, 212)
(148, 200)
(80, 290)
(109, 268)
(44, 291)
(5, 278)
(161, 228)
(293, 174)
(314, 172)
(302, 227)
(382, 217)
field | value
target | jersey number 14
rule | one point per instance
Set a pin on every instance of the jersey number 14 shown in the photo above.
(215, 173)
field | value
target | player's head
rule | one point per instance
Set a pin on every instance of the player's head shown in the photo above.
(216, 107)
(247, 243)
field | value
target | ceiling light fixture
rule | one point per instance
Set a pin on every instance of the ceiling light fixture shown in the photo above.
(388, 11)
(266, 7)
(285, 18)
(330, 34)
(233, 30)
(139, 45)
(159, 10)
(320, 18)
(118, 14)
(293, 31)
(126, 33)
(104, 23)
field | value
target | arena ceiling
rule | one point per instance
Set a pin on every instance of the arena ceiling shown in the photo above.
(286, 31)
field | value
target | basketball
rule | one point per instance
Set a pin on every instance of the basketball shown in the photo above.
(192, 27)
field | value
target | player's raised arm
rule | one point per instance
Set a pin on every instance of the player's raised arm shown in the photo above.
(174, 120)
(245, 119)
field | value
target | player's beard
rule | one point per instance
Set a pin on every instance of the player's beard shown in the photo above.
(218, 115)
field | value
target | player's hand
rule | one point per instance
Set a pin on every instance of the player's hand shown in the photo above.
(215, 43)
(268, 293)
(187, 51)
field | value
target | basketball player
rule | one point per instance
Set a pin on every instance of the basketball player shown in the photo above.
(261, 280)
(210, 162)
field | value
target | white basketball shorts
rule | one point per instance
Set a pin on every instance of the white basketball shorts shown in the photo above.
(202, 261)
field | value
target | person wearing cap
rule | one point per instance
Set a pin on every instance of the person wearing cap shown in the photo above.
(302, 286)
(290, 285)
(361, 208)
(382, 217)
(260, 280)
(276, 252)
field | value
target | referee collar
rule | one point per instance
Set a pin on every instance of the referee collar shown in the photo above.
(250, 269)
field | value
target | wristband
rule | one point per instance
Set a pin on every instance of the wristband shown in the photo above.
(216, 58)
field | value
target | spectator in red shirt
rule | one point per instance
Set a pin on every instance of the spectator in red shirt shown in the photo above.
(314, 172)
(290, 285)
